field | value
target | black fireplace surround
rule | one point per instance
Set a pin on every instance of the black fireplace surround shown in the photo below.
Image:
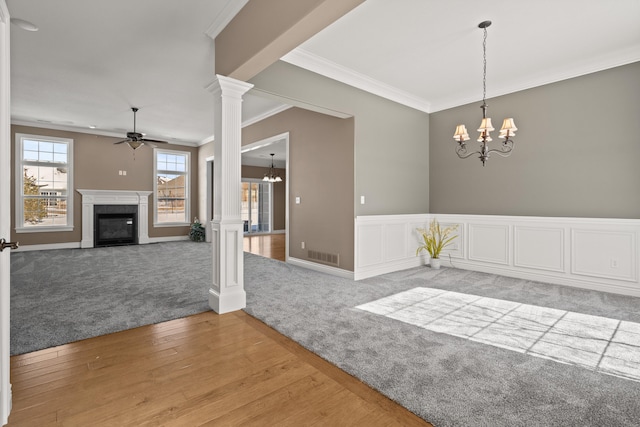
(115, 225)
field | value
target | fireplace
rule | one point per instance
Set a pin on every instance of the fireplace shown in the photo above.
(115, 225)
(115, 198)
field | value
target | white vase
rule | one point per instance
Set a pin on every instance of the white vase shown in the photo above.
(434, 263)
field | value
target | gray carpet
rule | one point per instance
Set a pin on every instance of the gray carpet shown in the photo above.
(66, 295)
(446, 380)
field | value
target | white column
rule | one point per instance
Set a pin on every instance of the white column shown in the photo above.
(227, 290)
(143, 217)
(87, 221)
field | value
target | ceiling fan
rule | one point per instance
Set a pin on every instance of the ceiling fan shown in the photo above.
(135, 139)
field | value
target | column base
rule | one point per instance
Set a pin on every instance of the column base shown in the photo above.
(228, 302)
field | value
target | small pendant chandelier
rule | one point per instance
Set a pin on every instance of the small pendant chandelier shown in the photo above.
(271, 175)
(507, 131)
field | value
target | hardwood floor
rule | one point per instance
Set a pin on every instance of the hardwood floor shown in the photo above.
(269, 245)
(207, 369)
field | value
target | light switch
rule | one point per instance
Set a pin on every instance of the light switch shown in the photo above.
(297, 200)
(362, 200)
(120, 173)
(124, 173)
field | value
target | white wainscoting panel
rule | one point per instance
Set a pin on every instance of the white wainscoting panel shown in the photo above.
(539, 248)
(370, 244)
(386, 243)
(456, 248)
(489, 243)
(395, 238)
(592, 253)
(609, 255)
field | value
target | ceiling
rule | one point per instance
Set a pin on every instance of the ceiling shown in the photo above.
(259, 154)
(91, 61)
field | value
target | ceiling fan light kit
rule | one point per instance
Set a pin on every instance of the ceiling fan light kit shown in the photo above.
(507, 131)
(135, 139)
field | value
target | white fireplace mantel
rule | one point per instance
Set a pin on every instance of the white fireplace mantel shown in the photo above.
(90, 198)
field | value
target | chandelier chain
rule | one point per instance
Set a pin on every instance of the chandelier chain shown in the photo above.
(484, 69)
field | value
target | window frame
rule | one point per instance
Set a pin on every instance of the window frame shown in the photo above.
(187, 186)
(19, 188)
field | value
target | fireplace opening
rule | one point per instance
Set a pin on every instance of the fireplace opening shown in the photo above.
(115, 225)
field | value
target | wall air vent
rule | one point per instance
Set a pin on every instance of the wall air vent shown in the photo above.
(326, 258)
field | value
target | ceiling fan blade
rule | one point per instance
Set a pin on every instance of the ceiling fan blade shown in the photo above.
(157, 141)
(120, 142)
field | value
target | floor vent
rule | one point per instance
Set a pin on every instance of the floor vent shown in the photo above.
(333, 259)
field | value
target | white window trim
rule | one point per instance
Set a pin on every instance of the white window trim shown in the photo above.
(19, 204)
(187, 188)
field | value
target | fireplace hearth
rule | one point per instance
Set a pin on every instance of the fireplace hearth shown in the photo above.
(115, 225)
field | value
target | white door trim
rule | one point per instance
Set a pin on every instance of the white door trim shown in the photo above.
(5, 211)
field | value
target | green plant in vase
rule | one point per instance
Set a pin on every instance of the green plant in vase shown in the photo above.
(436, 238)
(197, 233)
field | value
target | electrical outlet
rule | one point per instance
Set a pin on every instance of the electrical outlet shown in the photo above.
(614, 263)
(302, 245)
(362, 200)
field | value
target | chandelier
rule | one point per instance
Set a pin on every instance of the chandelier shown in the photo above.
(271, 175)
(507, 131)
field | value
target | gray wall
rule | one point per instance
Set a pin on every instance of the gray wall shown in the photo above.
(577, 152)
(391, 140)
(321, 174)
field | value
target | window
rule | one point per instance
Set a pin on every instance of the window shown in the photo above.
(256, 203)
(171, 188)
(44, 183)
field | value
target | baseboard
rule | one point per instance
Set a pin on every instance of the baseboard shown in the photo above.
(545, 278)
(76, 245)
(47, 247)
(266, 233)
(167, 239)
(390, 267)
(339, 272)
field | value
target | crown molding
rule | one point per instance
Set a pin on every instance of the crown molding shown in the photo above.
(252, 120)
(309, 61)
(228, 12)
(317, 64)
(605, 62)
(98, 132)
(206, 140)
(265, 115)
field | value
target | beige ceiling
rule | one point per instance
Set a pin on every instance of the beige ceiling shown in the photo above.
(92, 60)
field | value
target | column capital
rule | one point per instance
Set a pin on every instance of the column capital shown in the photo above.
(229, 86)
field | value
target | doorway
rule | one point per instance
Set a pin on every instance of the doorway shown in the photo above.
(256, 159)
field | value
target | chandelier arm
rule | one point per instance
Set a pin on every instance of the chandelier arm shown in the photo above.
(463, 154)
(505, 150)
